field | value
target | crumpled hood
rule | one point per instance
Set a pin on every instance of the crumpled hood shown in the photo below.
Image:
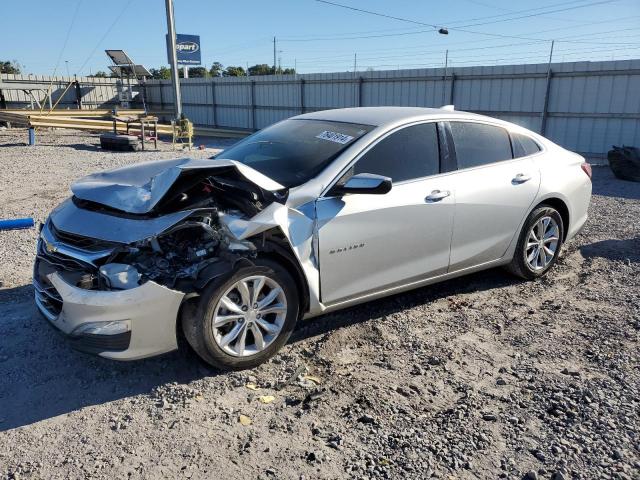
(139, 188)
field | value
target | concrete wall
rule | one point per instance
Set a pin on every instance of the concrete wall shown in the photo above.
(591, 105)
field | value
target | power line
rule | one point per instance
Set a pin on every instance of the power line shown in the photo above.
(542, 15)
(379, 14)
(453, 62)
(439, 51)
(592, 4)
(585, 24)
(543, 53)
(484, 47)
(66, 38)
(460, 29)
(518, 12)
(113, 24)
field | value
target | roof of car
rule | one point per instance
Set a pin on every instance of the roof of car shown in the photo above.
(380, 116)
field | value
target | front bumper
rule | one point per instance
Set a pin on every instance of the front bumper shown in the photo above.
(149, 312)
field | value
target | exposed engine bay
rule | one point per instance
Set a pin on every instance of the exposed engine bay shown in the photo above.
(180, 253)
(176, 258)
(178, 224)
(101, 240)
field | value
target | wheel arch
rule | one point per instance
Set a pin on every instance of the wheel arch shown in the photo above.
(274, 245)
(562, 208)
(271, 244)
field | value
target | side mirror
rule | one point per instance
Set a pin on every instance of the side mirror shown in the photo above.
(364, 183)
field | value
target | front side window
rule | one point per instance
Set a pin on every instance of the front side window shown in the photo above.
(523, 145)
(479, 144)
(295, 151)
(404, 155)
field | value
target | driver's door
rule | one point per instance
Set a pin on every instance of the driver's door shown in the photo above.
(371, 242)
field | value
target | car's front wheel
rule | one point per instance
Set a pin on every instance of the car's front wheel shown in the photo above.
(539, 243)
(244, 319)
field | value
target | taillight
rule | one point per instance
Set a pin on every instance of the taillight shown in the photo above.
(586, 168)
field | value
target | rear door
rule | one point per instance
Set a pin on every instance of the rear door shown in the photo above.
(371, 242)
(493, 190)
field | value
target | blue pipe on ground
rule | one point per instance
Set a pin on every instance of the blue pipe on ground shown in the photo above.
(16, 224)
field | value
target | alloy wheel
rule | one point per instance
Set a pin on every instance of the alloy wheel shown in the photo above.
(249, 316)
(542, 243)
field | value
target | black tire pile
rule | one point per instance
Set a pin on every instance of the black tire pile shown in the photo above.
(625, 162)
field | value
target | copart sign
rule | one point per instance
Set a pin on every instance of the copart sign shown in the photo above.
(187, 49)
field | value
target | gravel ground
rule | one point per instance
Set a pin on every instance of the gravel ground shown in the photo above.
(480, 377)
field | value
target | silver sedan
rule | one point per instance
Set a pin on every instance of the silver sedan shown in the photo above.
(313, 214)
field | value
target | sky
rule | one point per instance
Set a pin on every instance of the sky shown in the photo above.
(70, 36)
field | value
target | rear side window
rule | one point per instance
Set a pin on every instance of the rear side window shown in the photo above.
(479, 144)
(523, 145)
(404, 155)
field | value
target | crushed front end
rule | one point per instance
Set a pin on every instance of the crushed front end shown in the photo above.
(72, 291)
(113, 281)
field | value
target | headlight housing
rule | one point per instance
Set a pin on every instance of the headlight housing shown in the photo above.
(120, 275)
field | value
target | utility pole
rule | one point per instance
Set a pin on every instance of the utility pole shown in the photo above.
(551, 53)
(446, 64)
(545, 105)
(173, 59)
(355, 63)
(274, 55)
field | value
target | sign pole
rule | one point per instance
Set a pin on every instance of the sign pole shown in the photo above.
(274, 56)
(173, 59)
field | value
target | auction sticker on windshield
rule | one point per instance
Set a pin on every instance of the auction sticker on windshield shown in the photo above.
(335, 137)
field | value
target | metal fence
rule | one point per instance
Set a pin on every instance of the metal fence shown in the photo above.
(584, 106)
(39, 91)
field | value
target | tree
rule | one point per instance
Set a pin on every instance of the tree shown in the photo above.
(234, 72)
(197, 72)
(289, 71)
(216, 69)
(10, 67)
(162, 73)
(100, 74)
(261, 69)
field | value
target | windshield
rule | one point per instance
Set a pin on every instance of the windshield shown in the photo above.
(294, 151)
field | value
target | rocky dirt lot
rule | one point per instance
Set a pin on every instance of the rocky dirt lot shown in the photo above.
(481, 377)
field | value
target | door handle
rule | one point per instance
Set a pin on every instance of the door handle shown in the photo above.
(437, 195)
(521, 178)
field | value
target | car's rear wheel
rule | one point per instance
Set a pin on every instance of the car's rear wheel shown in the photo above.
(539, 243)
(245, 318)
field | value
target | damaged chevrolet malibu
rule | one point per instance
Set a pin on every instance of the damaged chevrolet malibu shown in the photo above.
(313, 214)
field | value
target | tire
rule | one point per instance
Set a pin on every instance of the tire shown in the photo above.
(624, 169)
(244, 351)
(525, 264)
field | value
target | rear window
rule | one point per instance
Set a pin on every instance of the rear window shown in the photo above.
(479, 144)
(292, 152)
(523, 145)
